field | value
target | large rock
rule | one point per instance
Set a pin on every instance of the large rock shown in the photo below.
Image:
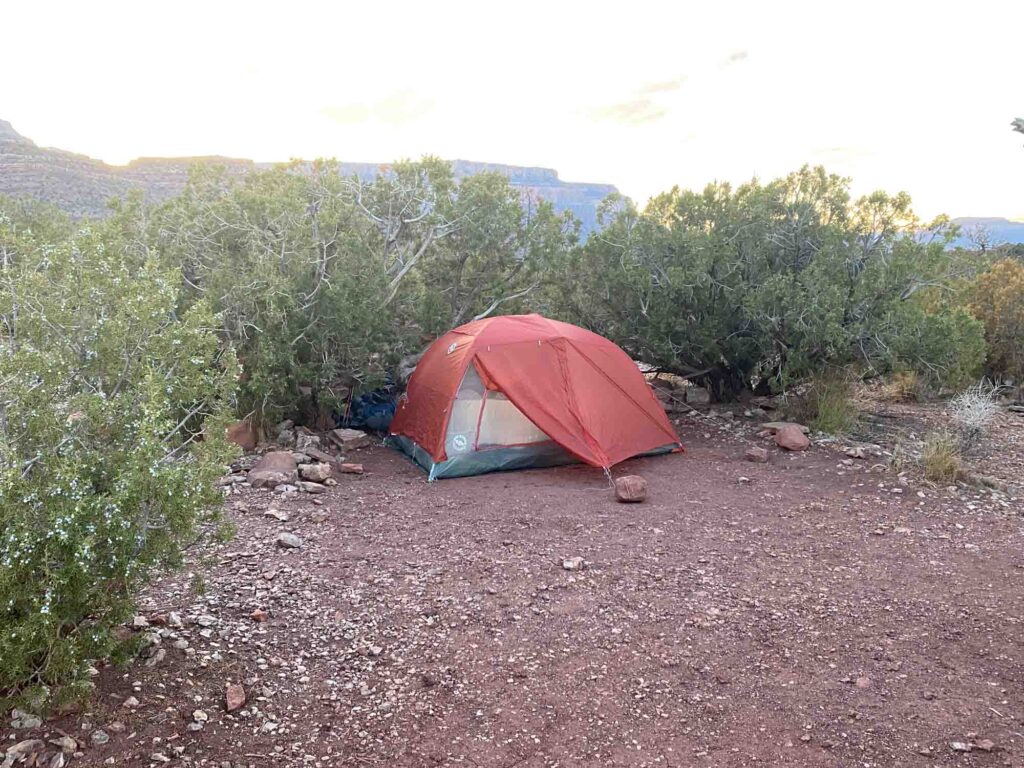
(273, 469)
(317, 473)
(791, 438)
(244, 434)
(630, 489)
(349, 439)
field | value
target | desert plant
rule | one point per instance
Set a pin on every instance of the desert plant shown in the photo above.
(112, 407)
(767, 284)
(940, 457)
(998, 301)
(972, 412)
(829, 405)
(906, 386)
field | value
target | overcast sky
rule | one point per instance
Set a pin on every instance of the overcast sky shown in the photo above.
(914, 96)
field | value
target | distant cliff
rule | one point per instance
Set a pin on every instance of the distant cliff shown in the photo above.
(996, 231)
(82, 186)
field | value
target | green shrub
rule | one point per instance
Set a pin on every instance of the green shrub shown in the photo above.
(765, 285)
(829, 405)
(112, 408)
(998, 302)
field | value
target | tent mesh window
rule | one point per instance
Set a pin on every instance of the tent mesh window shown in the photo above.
(482, 419)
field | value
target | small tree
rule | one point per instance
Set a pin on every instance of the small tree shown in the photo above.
(998, 302)
(112, 407)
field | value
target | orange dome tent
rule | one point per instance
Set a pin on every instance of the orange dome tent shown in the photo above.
(524, 391)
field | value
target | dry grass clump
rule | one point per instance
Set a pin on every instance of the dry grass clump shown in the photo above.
(940, 458)
(972, 412)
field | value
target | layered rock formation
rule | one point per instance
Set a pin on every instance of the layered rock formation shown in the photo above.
(83, 186)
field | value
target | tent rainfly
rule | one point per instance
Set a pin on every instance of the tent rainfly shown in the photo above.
(523, 391)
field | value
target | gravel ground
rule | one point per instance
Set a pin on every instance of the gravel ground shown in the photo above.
(816, 610)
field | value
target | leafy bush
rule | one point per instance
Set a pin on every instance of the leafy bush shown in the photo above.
(829, 405)
(940, 458)
(998, 302)
(764, 285)
(324, 282)
(112, 408)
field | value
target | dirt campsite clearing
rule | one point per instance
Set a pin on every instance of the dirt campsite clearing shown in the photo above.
(814, 610)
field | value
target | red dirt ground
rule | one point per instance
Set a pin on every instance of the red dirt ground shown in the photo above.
(801, 613)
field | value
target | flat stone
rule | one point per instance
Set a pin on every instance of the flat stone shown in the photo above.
(349, 439)
(274, 468)
(287, 540)
(309, 487)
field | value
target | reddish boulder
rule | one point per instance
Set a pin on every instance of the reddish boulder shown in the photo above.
(244, 434)
(630, 489)
(791, 438)
(273, 469)
(351, 469)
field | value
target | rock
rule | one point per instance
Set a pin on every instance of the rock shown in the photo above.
(274, 468)
(57, 761)
(316, 473)
(319, 517)
(309, 487)
(985, 745)
(330, 482)
(23, 720)
(206, 620)
(200, 716)
(174, 620)
(863, 682)
(156, 658)
(757, 455)
(234, 697)
(259, 615)
(277, 514)
(131, 702)
(100, 737)
(320, 455)
(349, 439)
(26, 747)
(286, 488)
(159, 757)
(630, 488)
(243, 434)
(140, 622)
(351, 469)
(286, 438)
(287, 540)
(791, 438)
(697, 395)
(960, 746)
(65, 743)
(304, 441)
(774, 426)
(573, 563)
(856, 452)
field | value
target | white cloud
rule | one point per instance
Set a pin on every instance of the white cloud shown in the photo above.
(896, 95)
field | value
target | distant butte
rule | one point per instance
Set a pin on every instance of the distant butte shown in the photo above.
(82, 186)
